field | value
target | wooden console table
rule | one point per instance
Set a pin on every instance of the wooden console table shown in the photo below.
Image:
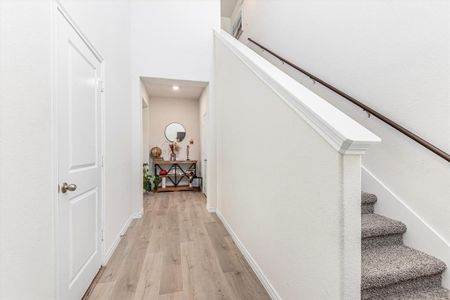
(176, 174)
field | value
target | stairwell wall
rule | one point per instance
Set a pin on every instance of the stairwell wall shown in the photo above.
(392, 56)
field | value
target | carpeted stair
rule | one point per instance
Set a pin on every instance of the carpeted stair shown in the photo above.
(390, 270)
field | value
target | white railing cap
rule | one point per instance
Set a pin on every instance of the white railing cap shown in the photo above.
(343, 133)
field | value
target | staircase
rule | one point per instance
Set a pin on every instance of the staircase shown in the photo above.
(390, 270)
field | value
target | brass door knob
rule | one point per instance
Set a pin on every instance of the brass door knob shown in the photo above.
(68, 187)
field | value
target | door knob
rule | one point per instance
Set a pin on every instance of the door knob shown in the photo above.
(68, 187)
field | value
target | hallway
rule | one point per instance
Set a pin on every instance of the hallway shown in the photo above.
(177, 250)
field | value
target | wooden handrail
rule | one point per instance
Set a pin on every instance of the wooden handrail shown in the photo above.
(366, 108)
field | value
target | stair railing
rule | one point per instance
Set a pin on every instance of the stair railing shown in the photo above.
(366, 108)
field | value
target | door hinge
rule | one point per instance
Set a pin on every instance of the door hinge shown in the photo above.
(102, 162)
(102, 235)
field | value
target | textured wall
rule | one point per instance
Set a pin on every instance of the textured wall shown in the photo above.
(391, 55)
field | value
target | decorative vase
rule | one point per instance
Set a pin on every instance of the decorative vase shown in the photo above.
(155, 153)
(173, 156)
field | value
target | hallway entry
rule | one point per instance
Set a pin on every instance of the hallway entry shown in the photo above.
(177, 250)
(174, 134)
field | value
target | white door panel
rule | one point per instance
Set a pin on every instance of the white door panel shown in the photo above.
(83, 242)
(82, 110)
(79, 151)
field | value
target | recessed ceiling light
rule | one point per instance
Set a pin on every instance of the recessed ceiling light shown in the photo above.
(175, 87)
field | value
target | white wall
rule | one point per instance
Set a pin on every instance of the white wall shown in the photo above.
(286, 193)
(145, 124)
(394, 57)
(169, 39)
(106, 23)
(26, 187)
(204, 124)
(162, 112)
(225, 24)
(26, 199)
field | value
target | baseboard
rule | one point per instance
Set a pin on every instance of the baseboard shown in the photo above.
(211, 209)
(139, 215)
(250, 260)
(419, 235)
(116, 242)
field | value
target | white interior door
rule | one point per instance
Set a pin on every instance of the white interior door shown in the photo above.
(79, 162)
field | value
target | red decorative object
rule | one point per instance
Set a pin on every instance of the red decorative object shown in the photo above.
(163, 172)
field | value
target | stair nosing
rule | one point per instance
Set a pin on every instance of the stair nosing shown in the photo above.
(368, 198)
(403, 273)
(394, 227)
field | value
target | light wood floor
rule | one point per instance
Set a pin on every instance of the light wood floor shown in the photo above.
(177, 250)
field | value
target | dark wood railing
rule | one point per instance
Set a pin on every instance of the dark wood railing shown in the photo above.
(366, 108)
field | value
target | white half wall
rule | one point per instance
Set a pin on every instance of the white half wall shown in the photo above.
(173, 40)
(391, 55)
(288, 189)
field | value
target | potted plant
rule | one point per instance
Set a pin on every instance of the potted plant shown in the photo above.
(150, 182)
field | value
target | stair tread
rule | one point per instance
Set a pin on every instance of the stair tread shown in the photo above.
(428, 294)
(373, 225)
(367, 198)
(382, 266)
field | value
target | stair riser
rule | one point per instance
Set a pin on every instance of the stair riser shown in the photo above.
(367, 208)
(380, 241)
(433, 281)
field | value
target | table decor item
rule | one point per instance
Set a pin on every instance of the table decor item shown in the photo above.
(191, 142)
(155, 153)
(175, 132)
(173, 151)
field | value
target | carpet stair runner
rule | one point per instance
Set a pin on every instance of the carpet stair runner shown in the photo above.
(389, 269)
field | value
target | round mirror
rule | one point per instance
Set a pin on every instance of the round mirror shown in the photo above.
(175, 132)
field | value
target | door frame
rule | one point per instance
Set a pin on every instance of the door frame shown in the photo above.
(58, 11)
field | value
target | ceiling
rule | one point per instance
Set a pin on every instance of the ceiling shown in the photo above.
(227, 7)
(162, 88)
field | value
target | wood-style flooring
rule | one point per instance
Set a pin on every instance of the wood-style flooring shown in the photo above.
(177, 250)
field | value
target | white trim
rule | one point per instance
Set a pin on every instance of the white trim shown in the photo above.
(138, 215)
(74, 25)
(211, 209)
(350, 210)
(54, 147)
(250, 260)
(420, 235)
(103, 154)
(117, 240)
(343, 133)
